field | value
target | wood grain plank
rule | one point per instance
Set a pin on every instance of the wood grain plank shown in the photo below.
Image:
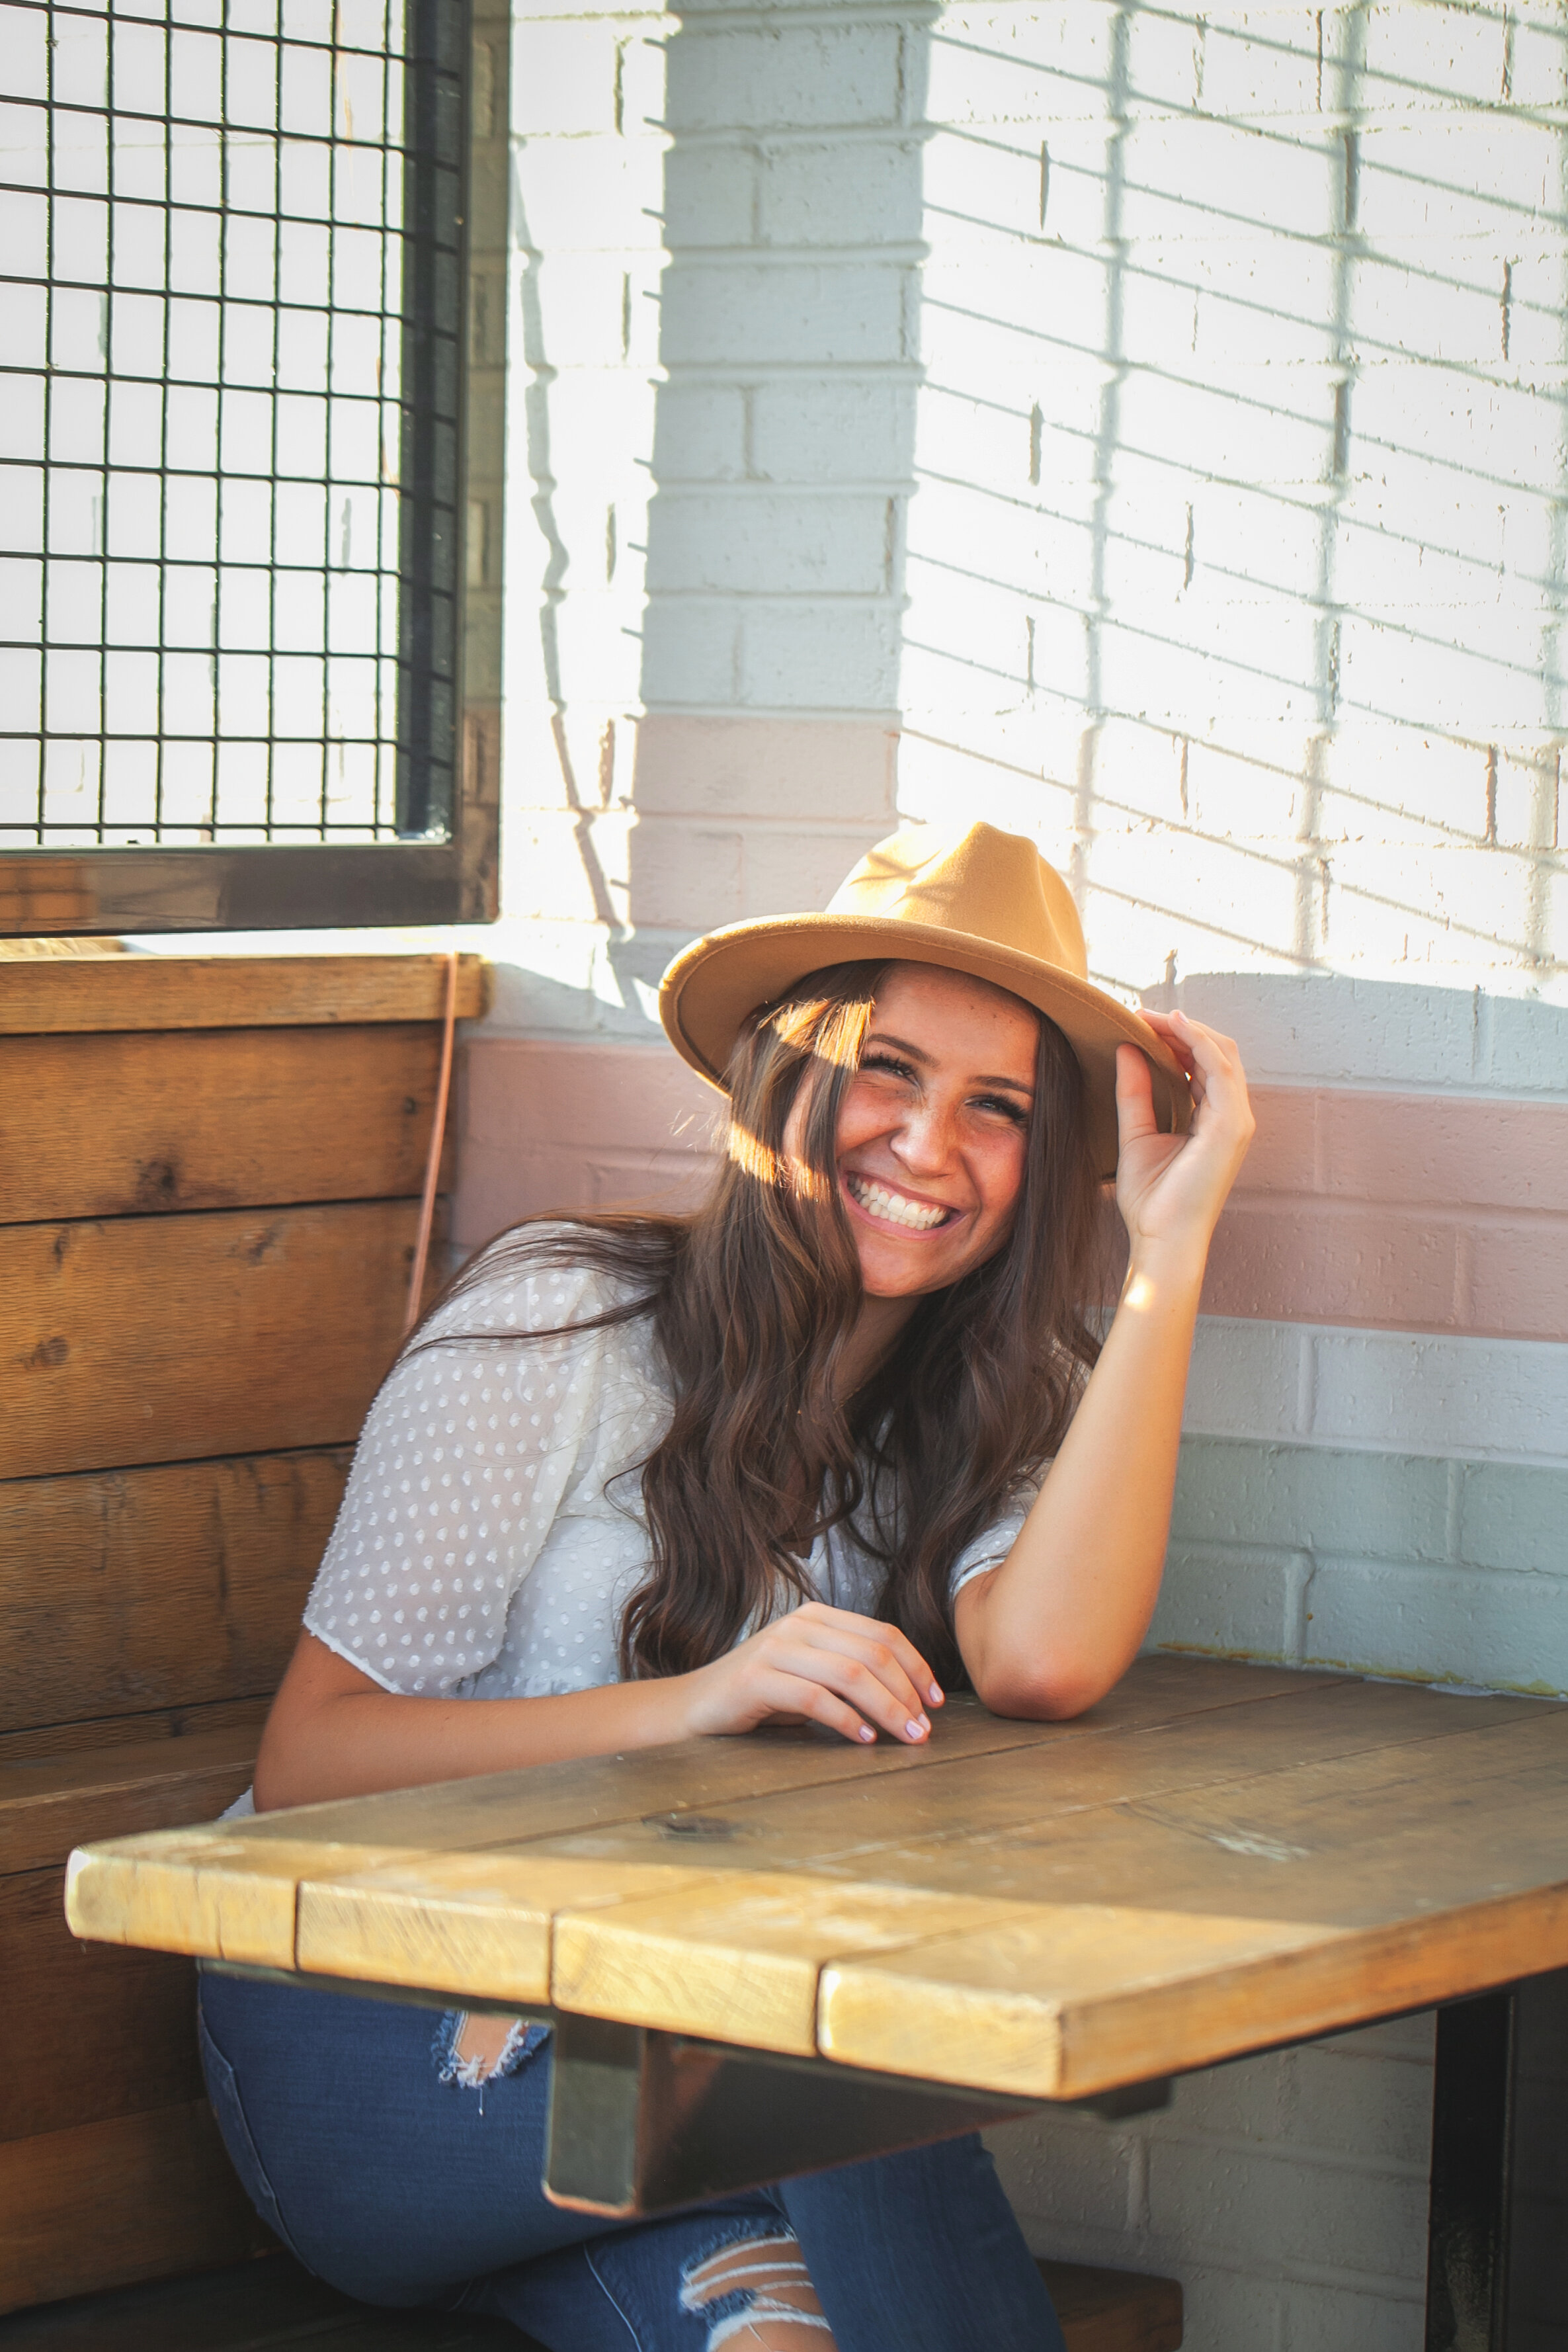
(264, 2302)
(205, 992)
(169, 1339)
(266, 2305)
(246, 1716)
(1148, 1893)
(479, 1925)
(704, 1776)
(176, 1585)
(1050, 2008)
(1115, 2311)
(86, 2030)
(132, 1891)
(739, 1959)
(1423, 1872)
(53, 1804)
(135, 2196)
(984, 1796)
(214, 1118)
(1354, 1841)
(211, 1892)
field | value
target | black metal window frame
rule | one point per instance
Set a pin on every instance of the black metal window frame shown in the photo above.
(436, 862)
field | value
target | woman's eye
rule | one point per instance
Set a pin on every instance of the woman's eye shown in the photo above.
(885, 1063)
(1005, 1106)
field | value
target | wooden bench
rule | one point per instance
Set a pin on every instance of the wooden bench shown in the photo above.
(272, 2302)
(209, 1171)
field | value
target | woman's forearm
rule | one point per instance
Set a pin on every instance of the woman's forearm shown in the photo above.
(1050, 1631)
(325, 1739)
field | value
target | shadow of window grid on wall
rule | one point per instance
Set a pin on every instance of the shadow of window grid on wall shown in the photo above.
(1241, 464)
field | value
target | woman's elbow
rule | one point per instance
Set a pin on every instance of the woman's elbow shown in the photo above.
(1041, 1691)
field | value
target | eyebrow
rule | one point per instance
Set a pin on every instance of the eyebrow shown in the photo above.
(917, 1054)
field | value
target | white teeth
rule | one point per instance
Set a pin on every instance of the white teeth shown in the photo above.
(893, 1207)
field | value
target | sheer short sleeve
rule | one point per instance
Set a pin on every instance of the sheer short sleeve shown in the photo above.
(465, 1460)
(991, 1547)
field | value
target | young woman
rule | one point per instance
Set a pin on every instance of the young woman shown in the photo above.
(643, 1478)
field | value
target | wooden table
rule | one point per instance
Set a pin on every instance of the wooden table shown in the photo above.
(766, 1952)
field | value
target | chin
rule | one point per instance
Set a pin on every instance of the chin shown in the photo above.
(894, 1274)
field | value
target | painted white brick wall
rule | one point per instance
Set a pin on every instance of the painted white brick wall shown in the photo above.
(1287, 2192)
(1232, 567)
(717, 224)
(831, 400)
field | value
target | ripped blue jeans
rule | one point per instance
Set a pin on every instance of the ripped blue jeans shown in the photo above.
(387, 2171)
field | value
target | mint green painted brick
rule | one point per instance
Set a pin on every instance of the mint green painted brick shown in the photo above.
(1306, 1498)
(1477, 1626)
(1227, 1604)
(1514, 1518)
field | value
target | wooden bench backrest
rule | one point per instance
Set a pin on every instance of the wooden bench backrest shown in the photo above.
(209, 1179)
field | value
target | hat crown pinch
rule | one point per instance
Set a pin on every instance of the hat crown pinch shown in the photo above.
(982, 883)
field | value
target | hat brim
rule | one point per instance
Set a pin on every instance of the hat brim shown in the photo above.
(711, 986)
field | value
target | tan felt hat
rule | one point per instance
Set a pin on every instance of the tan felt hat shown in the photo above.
(983, 902)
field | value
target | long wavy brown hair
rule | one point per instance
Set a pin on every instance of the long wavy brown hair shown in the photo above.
(753, 1299)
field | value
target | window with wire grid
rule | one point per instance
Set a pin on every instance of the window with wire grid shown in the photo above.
(229, 387)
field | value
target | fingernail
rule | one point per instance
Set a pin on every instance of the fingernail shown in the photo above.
(866, 1731)
(935, 1693)
(917, 1727)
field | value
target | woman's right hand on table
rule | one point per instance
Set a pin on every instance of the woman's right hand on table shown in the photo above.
(852, 1674)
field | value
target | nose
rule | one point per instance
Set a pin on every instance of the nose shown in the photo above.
(924, 1143)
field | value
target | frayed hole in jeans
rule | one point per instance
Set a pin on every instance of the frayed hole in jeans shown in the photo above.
(761, 2297)
(473, 2049)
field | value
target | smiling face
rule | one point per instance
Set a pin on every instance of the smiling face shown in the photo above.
(932, 1129)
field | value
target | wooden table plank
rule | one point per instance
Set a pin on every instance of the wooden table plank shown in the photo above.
(474, 1923)
(704, 1776)
(983, 1796)
(211, 1892)
(1064, 2005)
(1216, 1859)
(129, 1889)
(1356, 1840)
(738, 1958)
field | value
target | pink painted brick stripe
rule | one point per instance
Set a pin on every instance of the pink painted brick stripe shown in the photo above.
(1422, 1212)
(1416, 1213)
(546, 1125)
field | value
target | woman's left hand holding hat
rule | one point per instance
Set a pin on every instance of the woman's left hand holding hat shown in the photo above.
(1170, 1189)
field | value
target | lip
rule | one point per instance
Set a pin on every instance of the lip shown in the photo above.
(882, 1225)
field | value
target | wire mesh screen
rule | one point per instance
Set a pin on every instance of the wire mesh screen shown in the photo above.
(229, 299)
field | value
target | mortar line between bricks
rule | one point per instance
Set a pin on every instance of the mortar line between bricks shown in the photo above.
(1389, 2284)
(775, 602)
(897, 15)
(795, 487)
(727, 713)
(1239, 1550)
(752, 490)
(758, 372)
(907, 253)
(758, 827)
(1484, 1216)
(1320, 2159)
(756, 138)
(1503, 1459)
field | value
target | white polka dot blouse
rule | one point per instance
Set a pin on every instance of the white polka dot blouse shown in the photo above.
(493, 1528)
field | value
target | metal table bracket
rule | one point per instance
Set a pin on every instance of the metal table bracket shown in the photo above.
(643, 2121)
